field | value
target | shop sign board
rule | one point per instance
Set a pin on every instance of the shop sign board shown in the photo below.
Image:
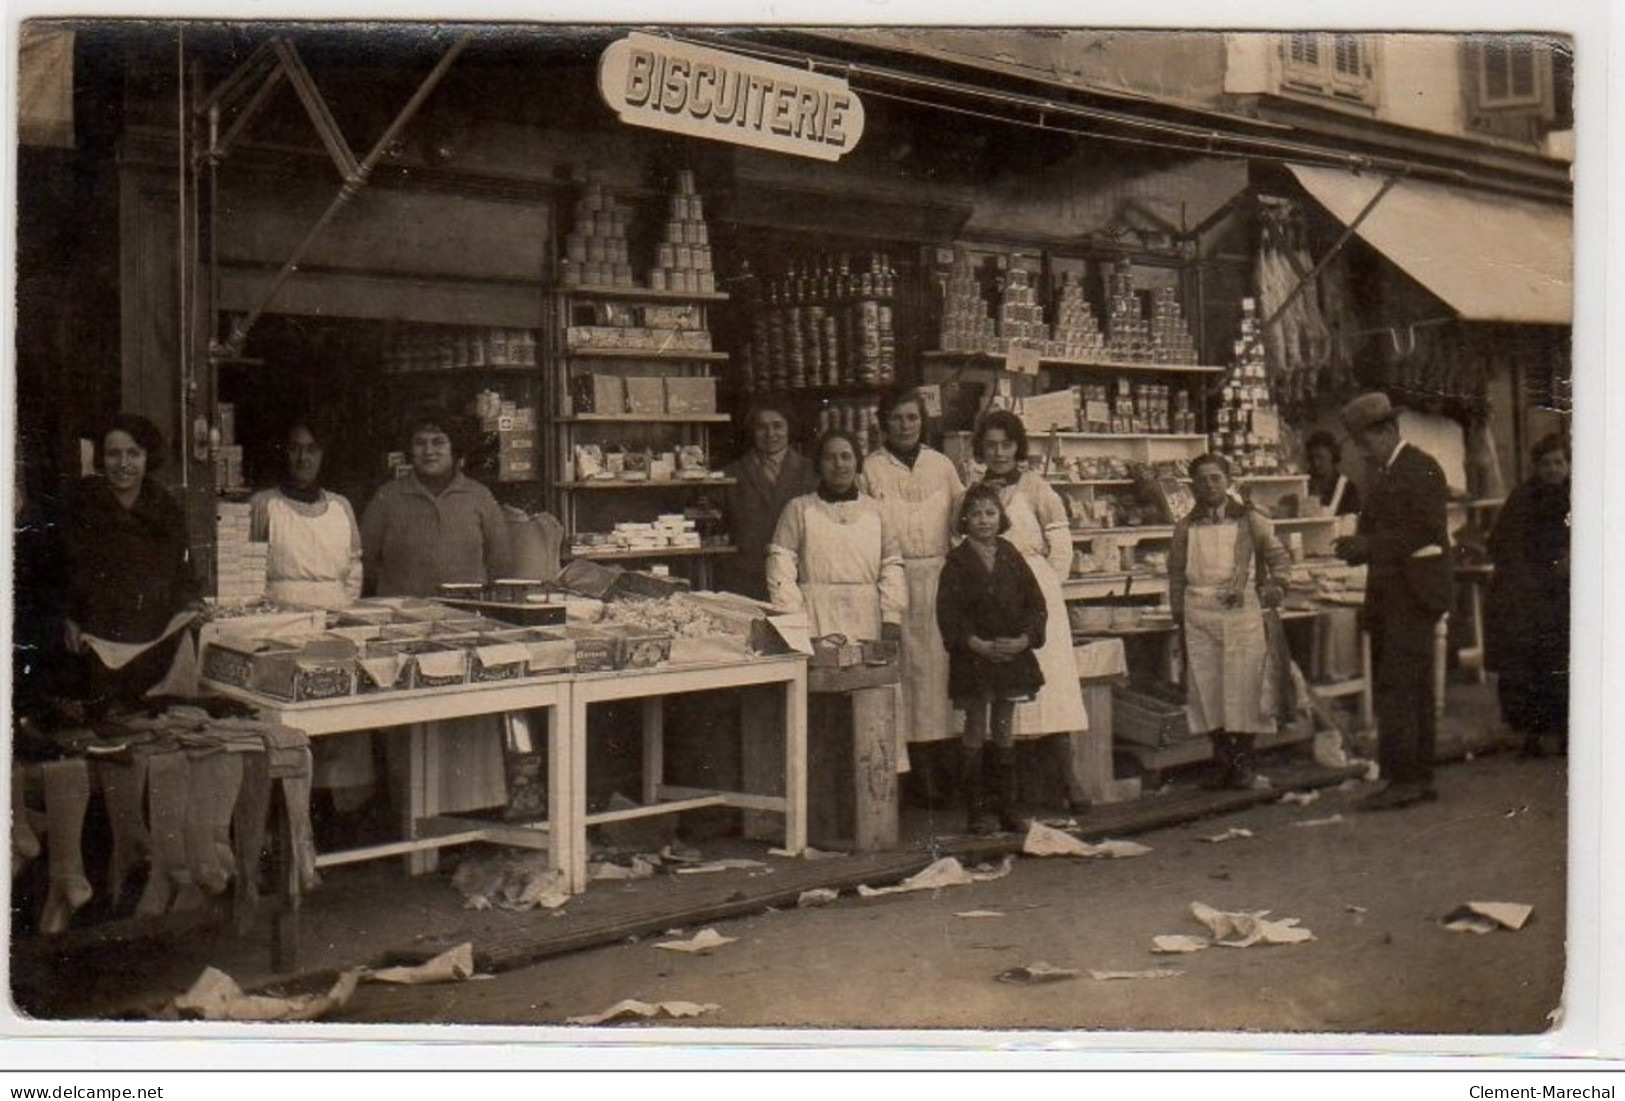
(705, 93)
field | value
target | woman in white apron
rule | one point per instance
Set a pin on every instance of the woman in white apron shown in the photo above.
(919, 491)
(1224, 567)
(833, 555)
(1041, 531)
(314, 561)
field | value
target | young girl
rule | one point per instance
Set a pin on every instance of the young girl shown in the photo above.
(992, 617)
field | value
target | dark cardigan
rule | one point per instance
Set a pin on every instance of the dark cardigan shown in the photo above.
(1001, 603)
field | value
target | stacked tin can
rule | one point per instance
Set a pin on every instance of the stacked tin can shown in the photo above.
(1021, 317)
(1246, 426)
(819, 322)
(595, 250)
(1076, 334)
(446, 348)
(859, 416)
(967, 326)
(683, 256)
(1171, 340)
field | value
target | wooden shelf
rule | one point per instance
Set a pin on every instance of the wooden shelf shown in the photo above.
(644, 483)
(1148, 531)
(842, 389)
(643, 353)
(644, 418)
(440, 374)
(997, 358)
(642, 294)
(666, 552)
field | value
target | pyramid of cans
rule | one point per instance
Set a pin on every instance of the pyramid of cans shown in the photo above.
(595, 250)
(1076, 334)
(1134, 337)
(824, 320)
(1247, 440)
(1021, 317)
(966, 324)
(683, 257)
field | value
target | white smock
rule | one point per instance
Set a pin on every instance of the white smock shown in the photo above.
(313, 562)
(834, 560)
(920, 505)
(1225, 648)
(1040, 531)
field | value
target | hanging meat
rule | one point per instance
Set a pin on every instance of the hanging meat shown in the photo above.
(1298, 345)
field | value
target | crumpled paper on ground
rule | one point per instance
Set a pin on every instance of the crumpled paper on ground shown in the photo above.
(1243, 929)
(730, 864)
(510, 881)
(640, 868)
(1177, 942)
(1301, 798)
(947, 872)
(1332, 821)
(215, 996)
(632, 1009)
(453, 965)
(1487, 917)
(979, 914)
(703, 941)
(818, 896)
(1154, 973)
(1042, 840)
(1235, 833)
(1037, 972)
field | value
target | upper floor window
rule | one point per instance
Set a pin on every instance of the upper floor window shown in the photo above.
(1516, 86)
(1340, 65)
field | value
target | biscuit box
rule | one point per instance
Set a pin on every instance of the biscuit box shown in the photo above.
(491, 659)
(382, 667)
(596, 649)
(639, 647)
(547, 651)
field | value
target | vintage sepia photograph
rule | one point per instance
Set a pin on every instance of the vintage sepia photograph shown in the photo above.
(600, 527)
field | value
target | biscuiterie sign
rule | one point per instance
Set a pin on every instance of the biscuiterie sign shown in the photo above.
(707, 93)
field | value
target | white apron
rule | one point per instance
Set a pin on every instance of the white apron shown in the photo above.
(305, 566)
(920, 503)
(1226, 650)
(1059, 706)
(840, 578)
(308, 556)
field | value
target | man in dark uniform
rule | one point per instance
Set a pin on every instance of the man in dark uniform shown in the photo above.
(1403, 539)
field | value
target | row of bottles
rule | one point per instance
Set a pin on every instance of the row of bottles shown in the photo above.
(859, 416)
(823, 321)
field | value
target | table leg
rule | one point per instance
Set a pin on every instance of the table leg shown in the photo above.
(569, 783)
(1475, 603)
(1368, 705)
(422, 793)
(285, 922)
(654, 749)
(795, 761)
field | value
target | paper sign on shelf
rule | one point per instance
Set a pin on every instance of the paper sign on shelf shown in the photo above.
(931, 400)
(1022, 361)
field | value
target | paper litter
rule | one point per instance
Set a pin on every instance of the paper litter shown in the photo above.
(1245, 928)
(947, 872)
(818, 896)
(1332, 821)
(1177, 942)
(1041, 840)
(1301, 798)
(1487, 917)
(1235, 833)
(510, 881)
(632, 1009)
(215, 996)
(703, 941)
(640, 868)
(1038, 972)
(979, 914)
(453, 965)
(1154, 973)
(731, 864)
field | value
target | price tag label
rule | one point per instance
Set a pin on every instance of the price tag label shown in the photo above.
(1266, 425)
(1022, 361)
(931, 399)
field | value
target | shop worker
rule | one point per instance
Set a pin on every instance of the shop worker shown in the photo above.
(1327, 482)
(435, 524)
(431, 526)
(1224, 567)
(919, 492)
(1403, 540)
(314, 561)
(834, 555)
(765, 478)
(1041, 531)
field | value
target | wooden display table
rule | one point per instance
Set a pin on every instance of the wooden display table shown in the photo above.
(651, 686)
(408, 711)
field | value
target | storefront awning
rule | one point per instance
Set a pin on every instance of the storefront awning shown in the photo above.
(1488, 257)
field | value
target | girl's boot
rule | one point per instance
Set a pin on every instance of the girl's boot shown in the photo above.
(977, 819)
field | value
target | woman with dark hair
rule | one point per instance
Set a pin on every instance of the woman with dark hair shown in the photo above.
(919, 491)
(1327, 482)
(129, 574)
(431, 526)
(765, 479)
(1224, 567)
(833, 554)
(434, 524)
(1527, 610)
(1041, 531)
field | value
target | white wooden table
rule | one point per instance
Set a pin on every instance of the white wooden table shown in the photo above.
(427, 829)
(651, 686)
